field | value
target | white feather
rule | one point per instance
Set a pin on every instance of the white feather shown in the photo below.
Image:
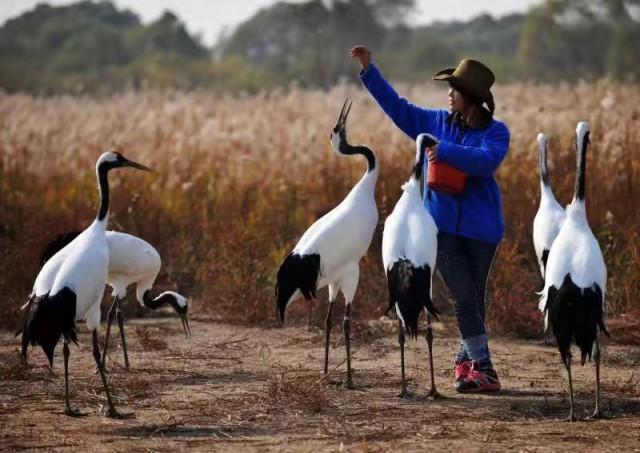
(550, 215)
(409, 231)
(342, 236)
(576, 250)
(82, 267)
(547, 223)
(131, 260)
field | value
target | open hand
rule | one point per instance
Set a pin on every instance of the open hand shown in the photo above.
(362, 54)
(433, 153)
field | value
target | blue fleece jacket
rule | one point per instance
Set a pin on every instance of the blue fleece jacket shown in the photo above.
(476, 213)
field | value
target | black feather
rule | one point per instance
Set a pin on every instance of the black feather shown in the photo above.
(410, 288)
(46, 319)
(575, 314)
(545, 257)
(296, 272)
(57, 244)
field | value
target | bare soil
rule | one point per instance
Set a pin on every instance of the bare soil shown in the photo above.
(259, 388)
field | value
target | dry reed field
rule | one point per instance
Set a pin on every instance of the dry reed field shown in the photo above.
(238, 180)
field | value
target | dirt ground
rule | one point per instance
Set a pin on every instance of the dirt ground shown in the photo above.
(240, 388)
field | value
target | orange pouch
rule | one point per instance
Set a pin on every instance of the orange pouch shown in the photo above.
(446, 179)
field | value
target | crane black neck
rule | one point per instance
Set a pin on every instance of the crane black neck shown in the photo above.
(417, 168)
(103, 184)
(544, 169)
(581, 149)
(158, 302)
(349, 150)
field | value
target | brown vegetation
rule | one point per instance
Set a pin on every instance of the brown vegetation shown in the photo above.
(239, 179)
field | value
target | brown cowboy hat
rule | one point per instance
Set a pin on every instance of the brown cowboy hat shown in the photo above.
(473, 76)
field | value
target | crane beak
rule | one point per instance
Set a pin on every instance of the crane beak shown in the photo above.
(130, 163)
(185, 325)
(342, 118)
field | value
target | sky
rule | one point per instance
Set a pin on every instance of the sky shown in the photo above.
(208, 18)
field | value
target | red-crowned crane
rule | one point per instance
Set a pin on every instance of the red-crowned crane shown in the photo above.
(409, 250)
(70, 286)
(131, 260)
(329, 251)
(575, 281)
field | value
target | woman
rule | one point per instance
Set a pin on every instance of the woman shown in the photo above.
(470, 223)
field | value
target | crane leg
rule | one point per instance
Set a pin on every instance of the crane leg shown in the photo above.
(433, 393)
(327, 328)
(110, 316)
(403, 389)
(111, 411)
(310, 315)
(68, 410)
(120, 317)
(346, 325)
(597, 413)
(567, 363)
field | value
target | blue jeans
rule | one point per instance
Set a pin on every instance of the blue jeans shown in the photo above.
(464, 265)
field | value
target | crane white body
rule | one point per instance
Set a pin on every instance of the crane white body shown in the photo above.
(82, 266)
(546, 226)
(575, 252)
(132, 260)
(342, 237)
(410, 232)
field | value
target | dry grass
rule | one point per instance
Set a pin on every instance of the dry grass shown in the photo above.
(137, 387)
(240, 179)
(13, 368)
(149, 340)
(307, 393)
(200, 395)
(628, 387)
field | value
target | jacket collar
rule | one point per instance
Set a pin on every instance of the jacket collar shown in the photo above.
(480, 121)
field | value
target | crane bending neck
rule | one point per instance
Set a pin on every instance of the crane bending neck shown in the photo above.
(152, 303)
(372, 161)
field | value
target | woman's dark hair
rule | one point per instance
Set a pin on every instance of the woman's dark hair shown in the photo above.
(467, 96)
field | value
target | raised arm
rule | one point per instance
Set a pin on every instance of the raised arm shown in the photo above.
(411, 119)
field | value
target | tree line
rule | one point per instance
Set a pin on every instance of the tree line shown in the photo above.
(94, 47)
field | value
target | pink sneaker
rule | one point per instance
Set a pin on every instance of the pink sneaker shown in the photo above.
(462, 370)
(479, 381)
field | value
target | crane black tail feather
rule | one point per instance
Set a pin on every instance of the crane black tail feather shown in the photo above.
(46, 319)
(57, 244)
(576, 314)
(410, 288)
(297, 272)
